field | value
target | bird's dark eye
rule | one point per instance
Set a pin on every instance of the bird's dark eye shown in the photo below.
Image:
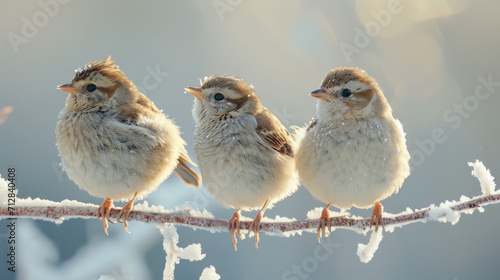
(91, 87)
(346, 92)
(219, 96)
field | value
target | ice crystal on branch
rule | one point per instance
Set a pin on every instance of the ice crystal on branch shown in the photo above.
(484, 177)
(448, 212)
(175, 253)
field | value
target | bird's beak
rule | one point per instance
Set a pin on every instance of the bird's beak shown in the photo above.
(321, 94)
(68, 88)
(196, 92)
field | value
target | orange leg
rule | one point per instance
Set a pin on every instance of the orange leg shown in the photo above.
(234, 226)
(103, 213)
(125, 211)
(325, 222)
(255, 225)
(377, 216)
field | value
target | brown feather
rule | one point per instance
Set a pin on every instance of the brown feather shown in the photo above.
(106, 68)
(186, 174)
(141, 106)
(342, 75)
(269, 128)
(227, 81)
(129, 113)
(274, 133)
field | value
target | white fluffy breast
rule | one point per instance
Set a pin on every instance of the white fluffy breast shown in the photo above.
(238, 168)
(353, 163)
(112, 159)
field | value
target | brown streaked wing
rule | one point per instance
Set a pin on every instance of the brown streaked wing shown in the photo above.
(129, 113)
(274, 133)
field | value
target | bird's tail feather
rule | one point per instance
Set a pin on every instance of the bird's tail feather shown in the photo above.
(186, 174)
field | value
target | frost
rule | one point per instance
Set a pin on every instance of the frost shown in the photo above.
(123, 262)
(464, 198)
(37, 202)
(209, 274)
(390, 228)
(444, 214)
(315, 213)
(366, 252)
(84, 68)
(406, 212)
(4, 185)
(174, 253)
(279, 219)
(187, 207)
(276, 231)
(484, 176)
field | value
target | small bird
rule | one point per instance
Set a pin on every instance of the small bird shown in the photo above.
(114, 142)
(354, 152)
(246, 155)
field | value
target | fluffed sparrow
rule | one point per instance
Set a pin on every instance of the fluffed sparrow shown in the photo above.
(114, 142)
(354, 152)
(245, 153)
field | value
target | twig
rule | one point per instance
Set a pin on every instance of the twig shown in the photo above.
(191, 219)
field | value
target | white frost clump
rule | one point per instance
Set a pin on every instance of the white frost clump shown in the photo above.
(484, 177)
(84, 68)
(209, 274)
(38, 202)
(144, 206)
(3, 191)
(391, 228)
(175, 253)
(366, 252)
(315, 213)
(444, 213)
(194, 213)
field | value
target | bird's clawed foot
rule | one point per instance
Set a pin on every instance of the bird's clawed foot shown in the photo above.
(325, 223)
(255, 225)
(377, 216)
(234, 226)
(103, 213)
(125, 211)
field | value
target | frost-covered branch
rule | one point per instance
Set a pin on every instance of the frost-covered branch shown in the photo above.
(448, 211)
(60, 211)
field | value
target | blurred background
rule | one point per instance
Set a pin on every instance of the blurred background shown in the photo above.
(436, 61)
